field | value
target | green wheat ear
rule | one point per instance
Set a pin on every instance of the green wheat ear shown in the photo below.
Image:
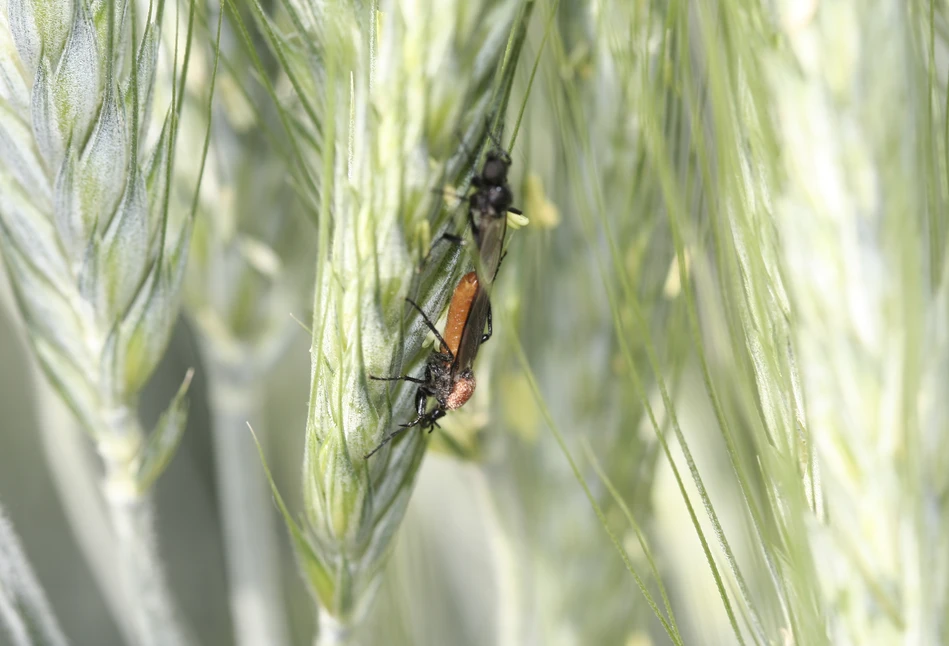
(861, 261)
(94, 253)
(382, 98)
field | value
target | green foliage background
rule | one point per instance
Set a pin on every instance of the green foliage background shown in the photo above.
(713, 409)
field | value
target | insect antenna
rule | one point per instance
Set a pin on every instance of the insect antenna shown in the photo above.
(388, 438)
(499, 147)
(414, 380)
(431, 326)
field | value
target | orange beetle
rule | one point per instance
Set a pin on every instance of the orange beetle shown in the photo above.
(448, 374)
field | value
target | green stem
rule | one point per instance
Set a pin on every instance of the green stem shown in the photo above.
(507, 567)
(76, 478)
(25, 614)
(74, 474)
(251, 548)
(155, 620)
(333, 632)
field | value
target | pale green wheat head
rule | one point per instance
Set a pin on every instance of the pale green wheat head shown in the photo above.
(818, 166)
(868, 296)
(94, 253)
(384, 94)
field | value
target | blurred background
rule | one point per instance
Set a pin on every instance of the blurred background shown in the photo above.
(712, 411)
(440, 586)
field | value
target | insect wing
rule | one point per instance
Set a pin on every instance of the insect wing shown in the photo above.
(489, 236)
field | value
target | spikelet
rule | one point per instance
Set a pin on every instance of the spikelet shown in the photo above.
(386, 96)
(94, 254)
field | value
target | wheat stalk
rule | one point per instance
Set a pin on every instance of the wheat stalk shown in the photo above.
(247, 275)
(94, 254)
(24, 610)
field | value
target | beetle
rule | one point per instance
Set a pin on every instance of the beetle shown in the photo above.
(449, 376)
(488, 206)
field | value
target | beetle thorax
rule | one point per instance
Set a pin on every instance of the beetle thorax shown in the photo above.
(494, 170)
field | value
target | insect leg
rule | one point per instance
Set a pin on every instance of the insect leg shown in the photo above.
(449, 237)
(486, 336)
(473, 224)
(421, 398)
(498, 268)
(431, 422)
(421, 401)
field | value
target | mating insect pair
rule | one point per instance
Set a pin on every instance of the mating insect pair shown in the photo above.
(449, 376)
